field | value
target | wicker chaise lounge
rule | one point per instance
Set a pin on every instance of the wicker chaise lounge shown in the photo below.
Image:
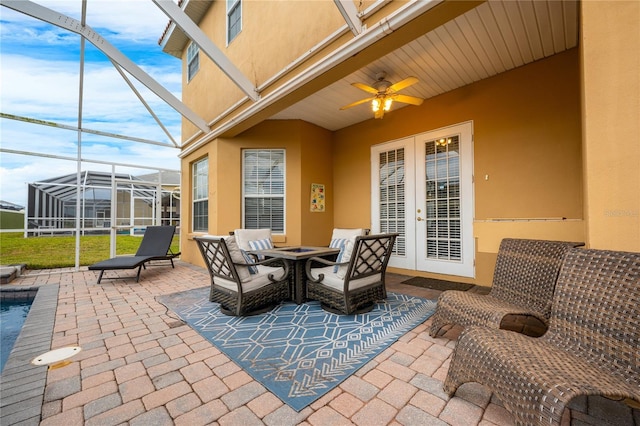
(592, 346)
(523, 282)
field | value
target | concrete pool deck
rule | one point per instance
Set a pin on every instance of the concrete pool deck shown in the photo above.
(142, 365)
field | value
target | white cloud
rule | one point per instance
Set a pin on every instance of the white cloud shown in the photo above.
(132, 19)
(40, 80)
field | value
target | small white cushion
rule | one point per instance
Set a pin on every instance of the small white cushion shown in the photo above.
(263, 244)
(338, 243)
(345, 256)
(248, 260)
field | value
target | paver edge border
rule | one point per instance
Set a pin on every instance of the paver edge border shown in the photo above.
(35, 338)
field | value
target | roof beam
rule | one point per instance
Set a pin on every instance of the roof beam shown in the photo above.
(84, 160)
(207, 46)
(82, 129)
(54, 18)
(146, 105)
(350, 14)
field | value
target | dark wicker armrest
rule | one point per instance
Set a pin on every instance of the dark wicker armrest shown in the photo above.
(271, 261)
(311, 260)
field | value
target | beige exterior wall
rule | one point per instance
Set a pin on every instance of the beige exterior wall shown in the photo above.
(257, 51)
(557, 139)
(527, 141)
(534, 170)
(308, 160)
(611, 107)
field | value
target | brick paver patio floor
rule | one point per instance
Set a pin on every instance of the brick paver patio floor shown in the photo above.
(140, 365)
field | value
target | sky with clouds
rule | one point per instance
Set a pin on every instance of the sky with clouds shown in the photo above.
(40, 79)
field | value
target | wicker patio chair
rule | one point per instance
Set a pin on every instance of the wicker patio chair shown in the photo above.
(523, 282)
(592, 346)
(242, 287)
(356, 280)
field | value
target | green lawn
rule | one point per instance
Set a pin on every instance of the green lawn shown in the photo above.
(11, 219)
(59, 251)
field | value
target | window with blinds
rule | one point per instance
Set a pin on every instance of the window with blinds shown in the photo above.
(444, 237)
(193, 60)
(200, 179)
(263, 183)
(234, 19)
(392, 196)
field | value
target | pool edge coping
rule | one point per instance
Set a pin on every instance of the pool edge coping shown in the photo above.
(22, 383)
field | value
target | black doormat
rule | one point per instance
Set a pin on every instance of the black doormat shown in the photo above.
(435, 284)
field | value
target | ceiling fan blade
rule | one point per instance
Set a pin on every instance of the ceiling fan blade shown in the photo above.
(361, 101)
(402, 84)
(366, 88)
(408, 99)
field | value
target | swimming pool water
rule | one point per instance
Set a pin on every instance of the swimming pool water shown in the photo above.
(12, 316)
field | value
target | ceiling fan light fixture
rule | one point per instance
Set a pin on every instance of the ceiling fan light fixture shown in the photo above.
(381, 103)
(376, 104)
(387, 104)
(384, 94)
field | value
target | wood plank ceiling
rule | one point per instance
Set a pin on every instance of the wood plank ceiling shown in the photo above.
(496, 36)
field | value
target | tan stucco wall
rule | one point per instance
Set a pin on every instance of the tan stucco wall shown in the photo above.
(527, 139)
(611, 107)
(546, 154)
(316, 167)
(257, 51)
(308, 160)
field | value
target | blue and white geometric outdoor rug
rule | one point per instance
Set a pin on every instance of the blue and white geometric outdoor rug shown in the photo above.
(300, 352)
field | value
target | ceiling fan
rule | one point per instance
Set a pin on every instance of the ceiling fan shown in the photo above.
(385, 94)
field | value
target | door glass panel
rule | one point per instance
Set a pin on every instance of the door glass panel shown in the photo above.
(442, 174)
(392, 196)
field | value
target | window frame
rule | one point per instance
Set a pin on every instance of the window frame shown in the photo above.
(265, 195)
(232, 7)
(193, 55)
(200, 168)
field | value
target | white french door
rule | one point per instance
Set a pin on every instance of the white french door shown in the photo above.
(422, 188)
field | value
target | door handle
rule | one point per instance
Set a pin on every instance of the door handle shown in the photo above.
(420, 219)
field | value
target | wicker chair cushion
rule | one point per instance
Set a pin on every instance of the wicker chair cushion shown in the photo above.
(345, 233)
(243, 236)
(339, 240)
(333, 280)
(237, 257)
(259, 280)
